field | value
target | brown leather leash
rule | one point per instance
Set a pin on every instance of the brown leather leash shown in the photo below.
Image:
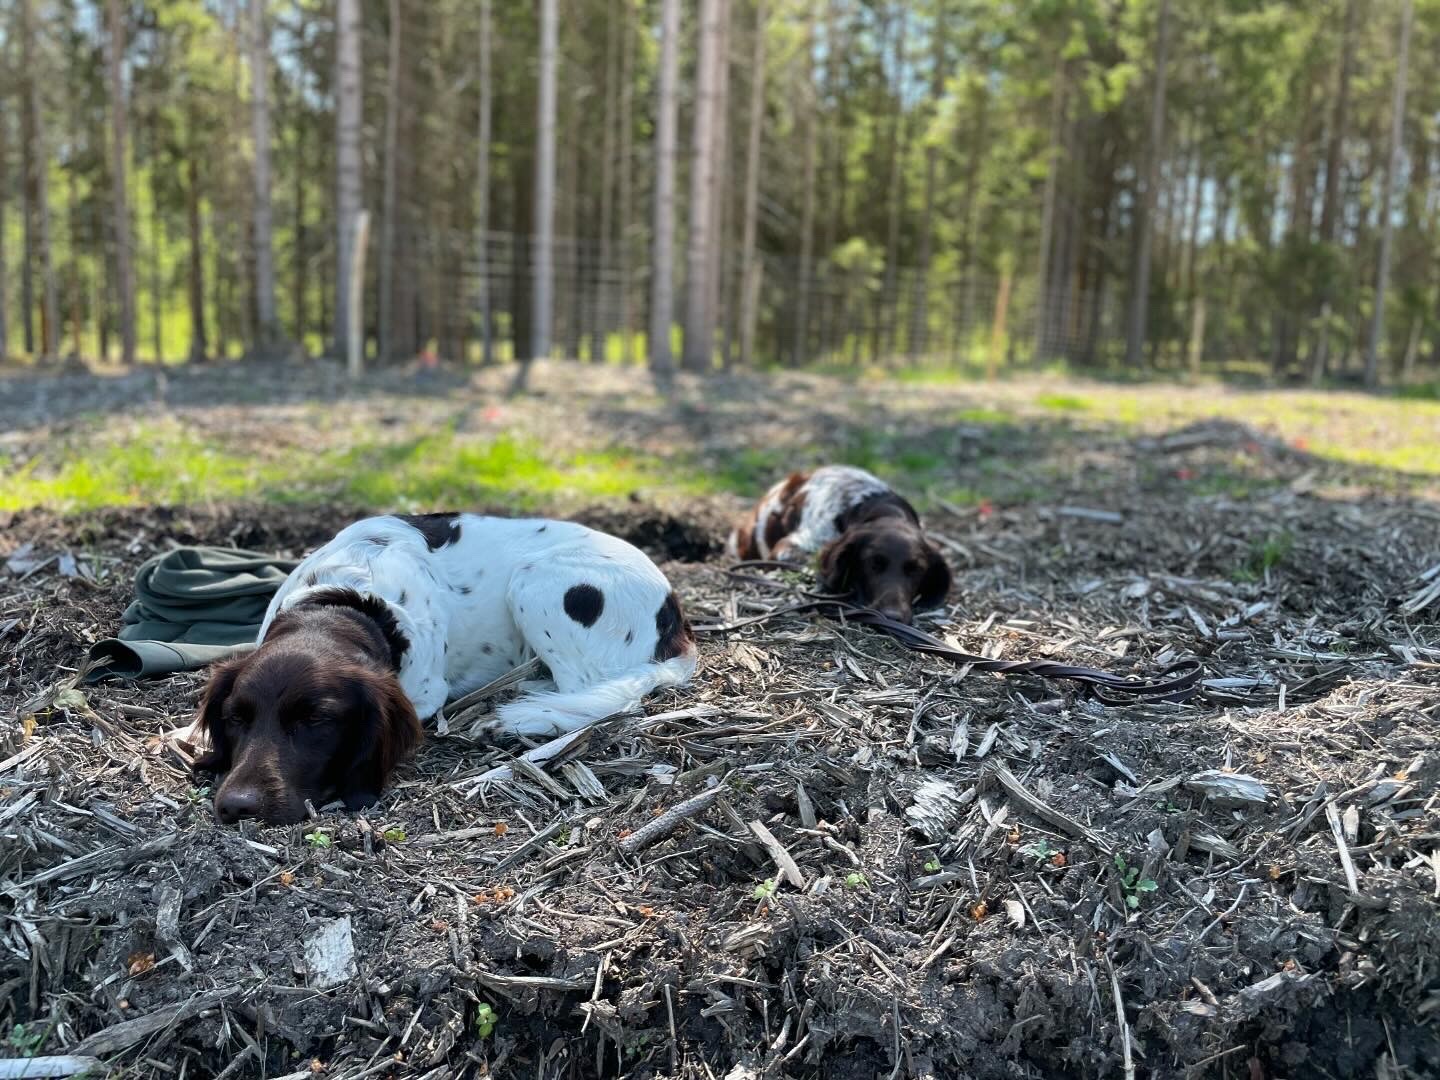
(1176, 683)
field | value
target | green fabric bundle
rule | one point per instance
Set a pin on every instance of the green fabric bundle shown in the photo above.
(192, 607)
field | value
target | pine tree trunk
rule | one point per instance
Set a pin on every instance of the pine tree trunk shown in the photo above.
(1043, 314)
(38, 180)
(699, 329)
(601, 280)
(970, 217)
(199, 343)
(1387, 225)
(1145, 205)
(542, 295)
(268, 324)
(896, 196)
(662, 280)
(920, 306)
(799, 353)
(1339, 124)
(715, 273)
(630, 341)
(302, 254)
(749, 289)
(349, 193)
(386, 328)
(482, 184)
(4, 251)
(125, 280)
(28, 171)
(157, 248)
(998, 324)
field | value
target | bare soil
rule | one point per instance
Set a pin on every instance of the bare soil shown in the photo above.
(907, 872)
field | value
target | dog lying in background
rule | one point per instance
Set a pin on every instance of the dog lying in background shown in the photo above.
(399, 614)
(868, 538)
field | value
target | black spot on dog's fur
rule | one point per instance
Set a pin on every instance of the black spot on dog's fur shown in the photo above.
(542, 528)
(380, 540)
(675, 637)
(404, 596)
(584, 603)
(487, 648)
(312, 578)
(372, 608)
(464, 590)
(437, 529)
(629, 637)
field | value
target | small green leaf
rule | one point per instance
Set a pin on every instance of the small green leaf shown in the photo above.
(1146, 886)
(1132, 901)
(394, 836)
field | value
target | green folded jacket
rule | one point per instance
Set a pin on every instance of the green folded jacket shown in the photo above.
(192, 607)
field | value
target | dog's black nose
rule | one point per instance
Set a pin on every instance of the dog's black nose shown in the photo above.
(898, 612)
(232, 804)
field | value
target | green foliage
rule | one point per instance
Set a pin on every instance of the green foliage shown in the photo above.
(1132, 885)
(318, 839)
(1268, 554)
(766, 889)
(1040, 851)
(486, 1020)
(394, 836)
(26, 1040)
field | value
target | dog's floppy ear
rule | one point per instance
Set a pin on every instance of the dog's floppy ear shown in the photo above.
(935, 585)
(208, 721)
(389, 731)
(839, 564)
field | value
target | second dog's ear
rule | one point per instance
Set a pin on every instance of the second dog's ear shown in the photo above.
(839, 564)
(209, 721)
(935, 585)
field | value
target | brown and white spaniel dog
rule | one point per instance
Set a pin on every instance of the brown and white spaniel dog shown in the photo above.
(396, 616)
(868, 538)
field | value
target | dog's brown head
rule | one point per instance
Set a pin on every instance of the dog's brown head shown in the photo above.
(315, 713)
(886, 564)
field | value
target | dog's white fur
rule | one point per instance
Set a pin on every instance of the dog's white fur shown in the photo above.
(493, 597)
(829, 491)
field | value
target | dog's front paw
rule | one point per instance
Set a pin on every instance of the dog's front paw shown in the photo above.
(360, 800)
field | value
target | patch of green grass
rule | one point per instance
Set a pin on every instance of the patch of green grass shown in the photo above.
(1265, 555)
(157, 463)
(982, 416)
(168, 464)
(1065, 403)
(888, 458)
(746, 472)
(1429, 391)
(1272, 551)
(444, 469)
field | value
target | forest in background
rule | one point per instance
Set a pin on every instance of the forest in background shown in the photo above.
(1133, 186)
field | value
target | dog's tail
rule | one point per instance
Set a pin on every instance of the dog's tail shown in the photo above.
(554, 712)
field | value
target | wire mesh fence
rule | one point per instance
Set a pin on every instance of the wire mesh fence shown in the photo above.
(464, 298)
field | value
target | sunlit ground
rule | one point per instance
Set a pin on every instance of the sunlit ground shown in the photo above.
(942, 439)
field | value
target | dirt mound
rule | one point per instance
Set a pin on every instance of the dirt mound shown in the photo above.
(904, 872)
